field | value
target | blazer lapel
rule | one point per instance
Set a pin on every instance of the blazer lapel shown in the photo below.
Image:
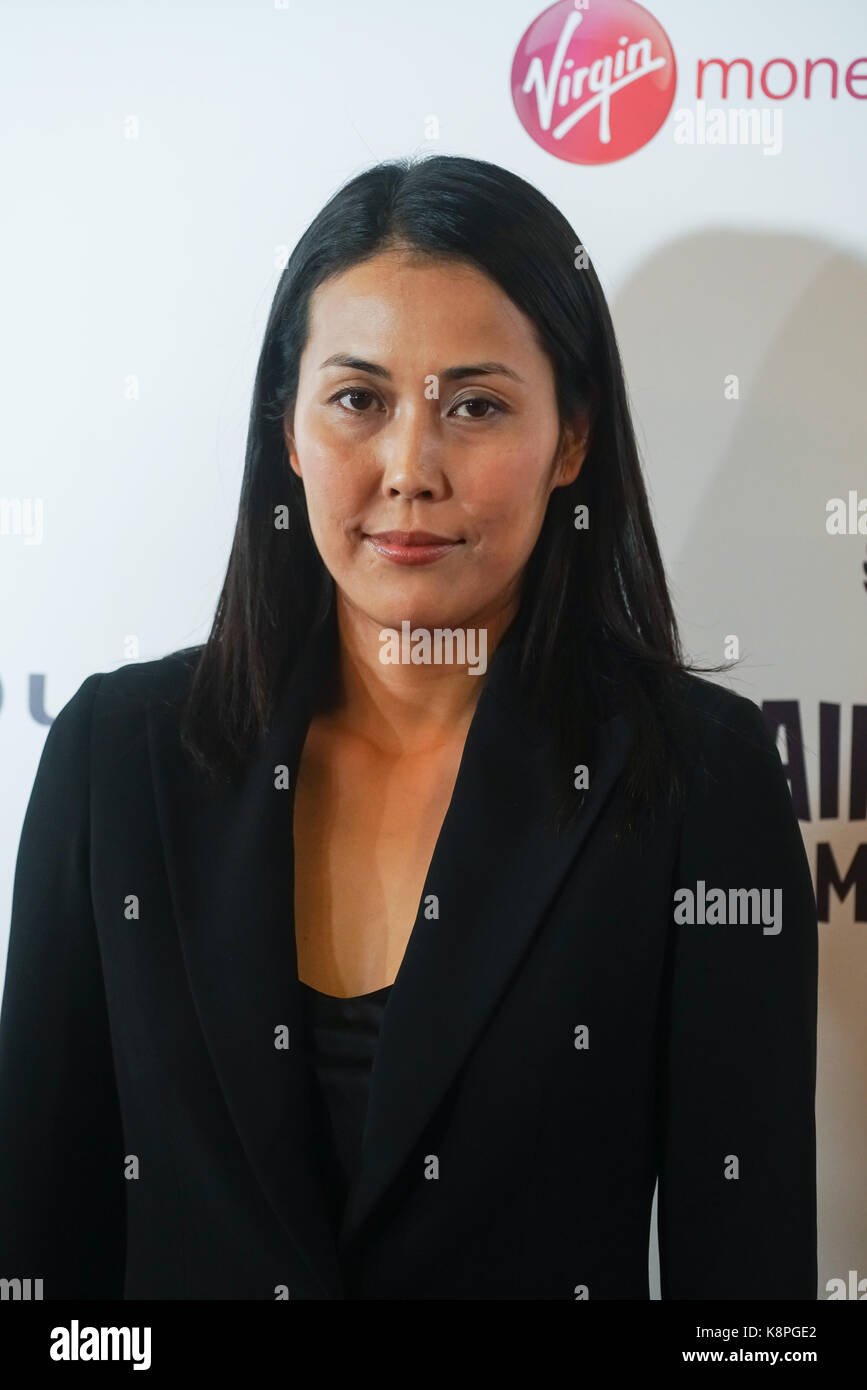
(495, 871)
(228, 858)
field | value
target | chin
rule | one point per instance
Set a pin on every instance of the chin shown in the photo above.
(417, 615)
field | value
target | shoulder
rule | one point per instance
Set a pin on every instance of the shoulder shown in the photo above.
(739, 824)
(165, 680)
(105, 718)
(725, 736)
(714, 713)
(123, 694)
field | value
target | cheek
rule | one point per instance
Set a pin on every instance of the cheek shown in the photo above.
(333, 487)
(506, 499)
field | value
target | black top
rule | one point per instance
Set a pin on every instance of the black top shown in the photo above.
(344, 1034)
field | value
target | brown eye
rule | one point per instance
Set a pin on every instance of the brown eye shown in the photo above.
(480, 400)
(353, 391)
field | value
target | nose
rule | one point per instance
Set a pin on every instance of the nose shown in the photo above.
(411, 461)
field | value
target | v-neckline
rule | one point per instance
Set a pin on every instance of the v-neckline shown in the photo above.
(373, 994)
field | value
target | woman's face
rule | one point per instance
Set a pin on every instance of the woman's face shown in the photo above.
(446, 422)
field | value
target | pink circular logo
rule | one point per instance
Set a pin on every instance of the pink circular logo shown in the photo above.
(593, 83)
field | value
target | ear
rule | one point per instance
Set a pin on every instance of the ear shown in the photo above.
(290, 448)
(571, 453)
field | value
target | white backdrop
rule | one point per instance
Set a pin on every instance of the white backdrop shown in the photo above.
(159, 161)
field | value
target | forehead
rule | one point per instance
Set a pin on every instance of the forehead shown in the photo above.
(420, 301)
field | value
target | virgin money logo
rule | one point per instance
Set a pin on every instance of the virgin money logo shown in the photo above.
(592, 82)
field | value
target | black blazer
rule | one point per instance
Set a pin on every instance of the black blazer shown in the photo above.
(156, 1143)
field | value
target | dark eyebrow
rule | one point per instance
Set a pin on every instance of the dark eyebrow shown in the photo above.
(358, 364)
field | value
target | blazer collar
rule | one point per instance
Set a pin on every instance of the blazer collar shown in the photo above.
(495, 871)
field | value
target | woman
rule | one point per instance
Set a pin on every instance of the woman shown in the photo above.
(398, 940)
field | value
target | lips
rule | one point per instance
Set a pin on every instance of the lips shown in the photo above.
(410, 538)
(410, 547)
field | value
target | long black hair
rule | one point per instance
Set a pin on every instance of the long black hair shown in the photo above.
(596, 625)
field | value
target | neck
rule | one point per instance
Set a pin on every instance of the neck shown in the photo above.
(402, 707)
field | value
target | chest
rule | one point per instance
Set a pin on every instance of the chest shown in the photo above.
(365, 828)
